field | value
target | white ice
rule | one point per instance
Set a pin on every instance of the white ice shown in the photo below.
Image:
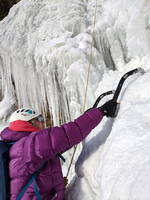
(45, 52)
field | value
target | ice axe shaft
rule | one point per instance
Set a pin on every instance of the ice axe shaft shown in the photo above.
(122, 80)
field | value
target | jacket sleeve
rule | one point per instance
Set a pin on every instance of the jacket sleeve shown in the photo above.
(45, 144)
(37, 147)
(72, 133)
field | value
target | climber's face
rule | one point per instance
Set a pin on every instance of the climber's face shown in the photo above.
(38, 122)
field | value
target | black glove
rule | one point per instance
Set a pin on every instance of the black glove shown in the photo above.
(110, 108)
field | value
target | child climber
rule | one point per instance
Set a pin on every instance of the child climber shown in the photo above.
(35, 145)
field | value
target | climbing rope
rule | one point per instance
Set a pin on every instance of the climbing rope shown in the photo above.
(87, 80)
(91, 57)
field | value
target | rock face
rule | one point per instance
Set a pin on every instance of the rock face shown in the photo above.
(5, 5)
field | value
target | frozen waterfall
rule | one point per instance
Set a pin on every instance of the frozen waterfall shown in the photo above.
(45, 52)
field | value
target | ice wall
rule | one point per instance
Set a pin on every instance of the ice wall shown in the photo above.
(114, 163)
(45, 52)
(42, 44)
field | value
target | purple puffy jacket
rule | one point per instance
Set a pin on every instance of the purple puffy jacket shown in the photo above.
(32, 148)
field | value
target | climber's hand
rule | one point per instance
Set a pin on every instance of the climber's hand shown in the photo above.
(110, 108)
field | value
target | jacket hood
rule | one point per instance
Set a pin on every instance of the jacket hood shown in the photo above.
(8, 135)
(17, 130)
(20, 125)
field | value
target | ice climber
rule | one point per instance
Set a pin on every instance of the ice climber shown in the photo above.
(35, 145)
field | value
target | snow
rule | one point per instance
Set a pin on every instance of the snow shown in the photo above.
(114, 163)
(45, 54)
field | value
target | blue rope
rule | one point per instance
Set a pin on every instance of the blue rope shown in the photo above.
(37, 193)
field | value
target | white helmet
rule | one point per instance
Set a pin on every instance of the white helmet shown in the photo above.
(24, 114)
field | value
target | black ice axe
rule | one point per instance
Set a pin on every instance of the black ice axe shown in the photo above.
(119, 87)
